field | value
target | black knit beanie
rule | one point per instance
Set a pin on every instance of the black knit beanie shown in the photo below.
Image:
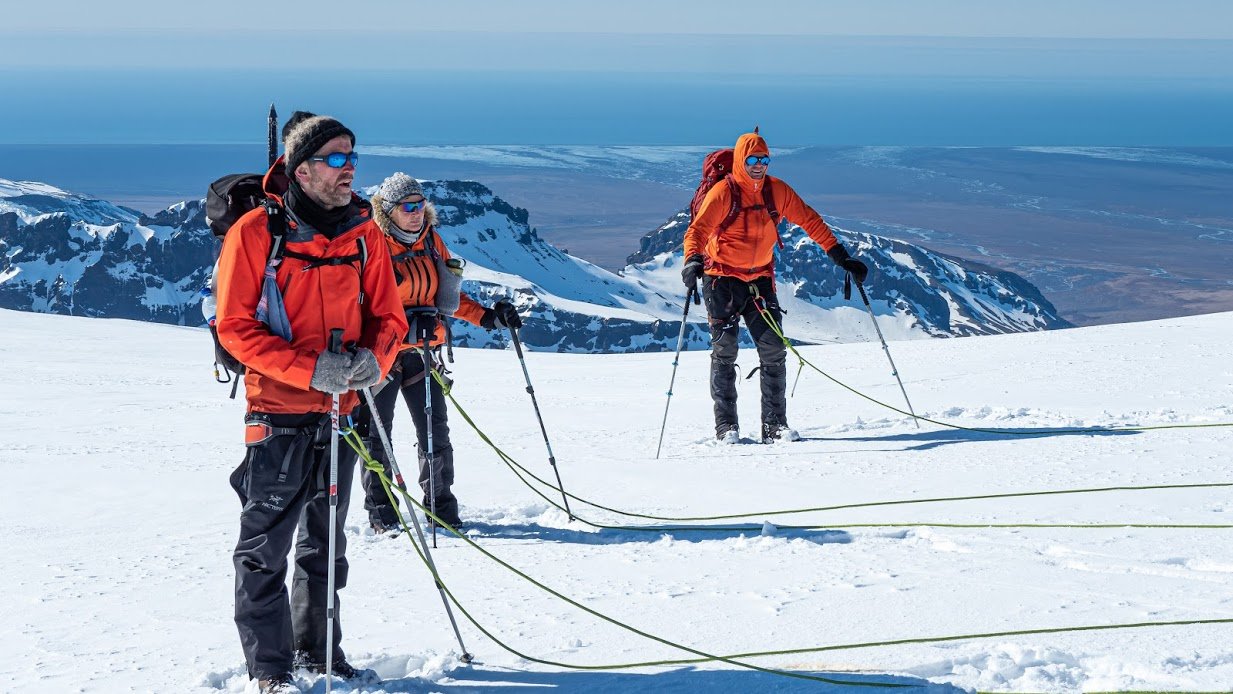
(295, 119)
(310, 135)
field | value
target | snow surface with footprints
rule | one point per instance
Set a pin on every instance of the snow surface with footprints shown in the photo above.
(118, 525)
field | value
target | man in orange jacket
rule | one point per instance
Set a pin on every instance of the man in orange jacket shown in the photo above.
(276, 318)
(730, 245)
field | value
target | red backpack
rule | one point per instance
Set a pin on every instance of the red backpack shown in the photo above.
(718, 167)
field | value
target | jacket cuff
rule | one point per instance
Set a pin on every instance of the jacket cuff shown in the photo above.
(838, 254)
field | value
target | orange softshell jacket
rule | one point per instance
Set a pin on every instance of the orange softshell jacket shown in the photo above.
(317, 299)
(415, 273)
(746, 248)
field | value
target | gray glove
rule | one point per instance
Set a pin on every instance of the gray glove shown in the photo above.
(331, 373)
(364, 369)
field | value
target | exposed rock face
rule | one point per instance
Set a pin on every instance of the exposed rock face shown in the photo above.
(69, 254)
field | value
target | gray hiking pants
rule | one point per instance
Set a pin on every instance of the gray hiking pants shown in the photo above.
(283, 484)
(728, 300)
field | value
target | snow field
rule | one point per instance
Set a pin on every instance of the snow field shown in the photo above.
(120, 523)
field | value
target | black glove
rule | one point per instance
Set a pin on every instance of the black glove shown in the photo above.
(501, 315)
(840, 256)
(422, 324)
(692, 271)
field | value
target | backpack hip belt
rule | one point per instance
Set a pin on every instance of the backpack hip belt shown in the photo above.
(712, 266)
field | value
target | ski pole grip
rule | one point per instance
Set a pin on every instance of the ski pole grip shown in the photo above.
(336, 338)
(693, 291)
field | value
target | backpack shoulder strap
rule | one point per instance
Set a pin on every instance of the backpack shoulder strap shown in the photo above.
(276, 224)
(768, 200)
(734, 206)
(362, 246)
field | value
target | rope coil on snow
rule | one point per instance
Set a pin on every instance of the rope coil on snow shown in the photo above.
(703, 657)
(774, 326)
(522, 473)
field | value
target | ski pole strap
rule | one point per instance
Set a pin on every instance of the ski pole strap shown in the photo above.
(847, 286)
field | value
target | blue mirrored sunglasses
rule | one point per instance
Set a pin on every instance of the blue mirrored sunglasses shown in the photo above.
(754, 161)
(410, 207)
(337, 160)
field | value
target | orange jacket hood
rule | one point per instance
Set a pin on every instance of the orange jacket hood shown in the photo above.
(747, 145)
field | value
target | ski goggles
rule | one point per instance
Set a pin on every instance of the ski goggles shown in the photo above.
(410, 207)
(337, 160)
(755, 161)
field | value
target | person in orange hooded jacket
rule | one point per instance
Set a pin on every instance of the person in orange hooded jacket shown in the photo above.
(736, 264)
(277, 319)
(428, 281)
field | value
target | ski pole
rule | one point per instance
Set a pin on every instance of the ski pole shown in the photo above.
(336, 347)
(552, 460)
(894, 370)
(680, 342)
(430, 455)
(415, 521)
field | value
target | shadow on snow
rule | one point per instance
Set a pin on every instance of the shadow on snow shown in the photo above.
(683, 680)
(943, 437)
(677, 532)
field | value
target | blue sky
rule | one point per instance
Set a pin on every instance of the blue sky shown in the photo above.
(1183, 19)
(1135, 72)
(989, 38)
(1183, 37)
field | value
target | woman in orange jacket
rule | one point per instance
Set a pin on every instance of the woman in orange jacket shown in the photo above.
(730, 245)
(428, 280)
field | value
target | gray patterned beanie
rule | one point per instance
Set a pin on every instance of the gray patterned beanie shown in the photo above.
(397, 187)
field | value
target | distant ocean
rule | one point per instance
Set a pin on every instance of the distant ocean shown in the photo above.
(219, 107)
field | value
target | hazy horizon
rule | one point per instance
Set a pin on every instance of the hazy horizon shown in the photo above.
(554, 108)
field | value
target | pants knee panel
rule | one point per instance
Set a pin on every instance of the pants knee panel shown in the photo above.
(724, 346)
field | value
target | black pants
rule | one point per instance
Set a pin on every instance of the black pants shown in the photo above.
(728, 300)
(436, 474)
(283, 484)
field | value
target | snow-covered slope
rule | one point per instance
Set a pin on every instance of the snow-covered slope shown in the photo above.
(915, 292)
(66, 253)
(119, 523)
(568, 304)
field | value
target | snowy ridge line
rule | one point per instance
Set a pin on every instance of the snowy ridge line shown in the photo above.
(519, 469)
(704, 656)
(770, 321)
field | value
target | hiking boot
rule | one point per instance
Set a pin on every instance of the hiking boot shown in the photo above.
(729, 436)
(779, 432)
(387, 529)
(281, 684)
(346, 671)
(454, 522)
